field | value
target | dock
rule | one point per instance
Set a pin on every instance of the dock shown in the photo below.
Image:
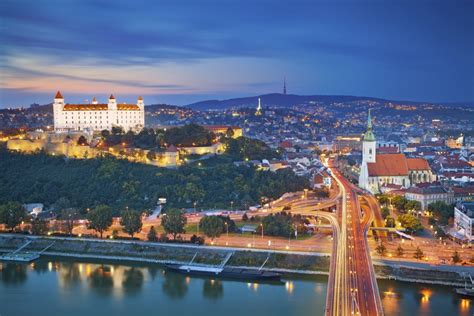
(24, 256)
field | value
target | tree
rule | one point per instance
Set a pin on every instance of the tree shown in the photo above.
(456, 257)
(39, 227)
(69, 217)
(212, 226)
(410, 222)
(100, 218)
(414, 206)
(442, 211)
(11, 214)
(82, 141)
(385, 212)
(279, 224)
(399, 251)
(131, 222)
(381, 249)
(61, 204)
(151, 236)
(399, 202)
(173, 222)
(383, 199)
(390, 221)
(418, 254)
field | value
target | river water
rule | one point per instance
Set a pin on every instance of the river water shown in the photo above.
(65, 287)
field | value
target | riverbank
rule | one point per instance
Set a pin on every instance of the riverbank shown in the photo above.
(281, 261)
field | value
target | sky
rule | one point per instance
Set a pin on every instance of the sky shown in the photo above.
(179, 52)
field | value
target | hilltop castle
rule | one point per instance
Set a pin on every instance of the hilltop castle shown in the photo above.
(97, 116)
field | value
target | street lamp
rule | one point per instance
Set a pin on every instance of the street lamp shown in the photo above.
(227, 229)
(231, 205)
(261, 225)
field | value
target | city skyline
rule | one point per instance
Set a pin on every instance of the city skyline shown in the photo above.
(180, 53)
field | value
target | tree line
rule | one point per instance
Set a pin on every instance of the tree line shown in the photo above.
(41, 178)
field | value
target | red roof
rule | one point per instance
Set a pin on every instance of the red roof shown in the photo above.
(111, 97)
(286, 144)
(58, 95)
(418, 164)
(388, 165)
(99, 107)
(395, 165)
(140, 98)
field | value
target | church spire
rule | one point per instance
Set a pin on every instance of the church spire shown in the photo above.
(369, 135)
(284, 85)
(369, 121)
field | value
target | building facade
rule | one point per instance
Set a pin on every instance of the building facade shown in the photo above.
(464, 220)
(429, 195)
(97, 116)
(377, 170)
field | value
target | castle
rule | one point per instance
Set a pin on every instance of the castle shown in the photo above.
(97, 116)
(378, 170)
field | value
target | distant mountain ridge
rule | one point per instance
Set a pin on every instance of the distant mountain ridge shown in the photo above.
(287, 100)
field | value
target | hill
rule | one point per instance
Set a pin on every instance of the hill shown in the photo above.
(288, 100)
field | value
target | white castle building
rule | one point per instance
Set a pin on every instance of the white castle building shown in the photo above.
(97, 116)
(378, 170)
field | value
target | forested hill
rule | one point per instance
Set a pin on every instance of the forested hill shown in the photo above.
(44, 179)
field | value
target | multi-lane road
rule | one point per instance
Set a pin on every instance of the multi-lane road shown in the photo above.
(352, 288)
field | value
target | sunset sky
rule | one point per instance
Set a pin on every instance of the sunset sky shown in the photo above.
(184, 51)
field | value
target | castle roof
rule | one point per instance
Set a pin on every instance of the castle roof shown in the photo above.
(111, 97)
(58, 95)
(140, 98)
(99, 107)
(395, 165)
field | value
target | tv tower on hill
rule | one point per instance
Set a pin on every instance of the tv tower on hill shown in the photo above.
(284, 85)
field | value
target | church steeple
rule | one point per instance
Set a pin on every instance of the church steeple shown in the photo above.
(284, 85)
(369, 135)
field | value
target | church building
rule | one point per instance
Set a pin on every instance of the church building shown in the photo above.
(378, 170)
(97, 116)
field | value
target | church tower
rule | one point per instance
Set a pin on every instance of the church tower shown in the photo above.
(368, 143)
(284, 85)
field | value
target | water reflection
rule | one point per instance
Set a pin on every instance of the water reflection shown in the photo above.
(69, 274)
(213, 289)
(13, 273)
(101, 280)
(133, 280)
(174, 285)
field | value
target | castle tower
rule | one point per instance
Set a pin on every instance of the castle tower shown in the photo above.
(112, 105)
(259, 108)
(140, 103)
(58, 106)
(369, 143)
(94, 101)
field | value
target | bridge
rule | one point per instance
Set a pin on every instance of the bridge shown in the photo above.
(352, 287)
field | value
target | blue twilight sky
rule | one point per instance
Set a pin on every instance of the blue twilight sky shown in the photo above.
(184, 51)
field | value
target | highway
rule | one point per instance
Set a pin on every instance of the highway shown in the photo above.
(352, 288)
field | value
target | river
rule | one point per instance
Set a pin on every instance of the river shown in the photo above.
(64, 287)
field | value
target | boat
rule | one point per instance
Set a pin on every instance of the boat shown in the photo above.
(225, 273)
(466, 290)
(469, 292)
